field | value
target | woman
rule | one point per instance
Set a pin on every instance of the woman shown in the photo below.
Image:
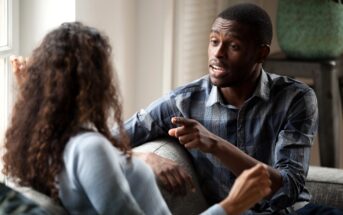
(59, 141)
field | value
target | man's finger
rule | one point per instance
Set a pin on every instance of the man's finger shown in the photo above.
(182, 121)
(188, 180)
(172, 132)
(182, 188)
(164, 182)
(180, 131)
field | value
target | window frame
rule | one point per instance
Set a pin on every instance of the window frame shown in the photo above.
(10, 47)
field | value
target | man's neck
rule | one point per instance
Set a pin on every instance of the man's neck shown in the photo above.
(237, 95)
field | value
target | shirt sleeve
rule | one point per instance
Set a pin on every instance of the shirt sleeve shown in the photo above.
(152, 122)
(292, 152)
(215, 209)
(97, 169)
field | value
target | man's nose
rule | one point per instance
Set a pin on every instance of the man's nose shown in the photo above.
(220, 50)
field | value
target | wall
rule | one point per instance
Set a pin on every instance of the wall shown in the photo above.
(117, 19)
(37, 17)
(150, 23)
(138, 30)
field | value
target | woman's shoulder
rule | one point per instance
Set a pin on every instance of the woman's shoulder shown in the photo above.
(92, 148)
(89, 143)
(88, 136)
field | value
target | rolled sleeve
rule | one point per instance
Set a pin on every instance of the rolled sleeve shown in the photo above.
(288, 193)
(292, 152)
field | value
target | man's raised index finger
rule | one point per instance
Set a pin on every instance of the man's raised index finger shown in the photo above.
(181, 121)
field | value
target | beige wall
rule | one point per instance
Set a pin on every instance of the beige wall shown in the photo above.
(138, 29)
(117, 19)
(37, 17)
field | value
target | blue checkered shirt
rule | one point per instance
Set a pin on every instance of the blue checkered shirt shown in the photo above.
(276, 126)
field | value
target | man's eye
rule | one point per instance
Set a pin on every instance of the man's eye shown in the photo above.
(234, 47)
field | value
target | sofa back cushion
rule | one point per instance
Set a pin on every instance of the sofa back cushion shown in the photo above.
(326, 186)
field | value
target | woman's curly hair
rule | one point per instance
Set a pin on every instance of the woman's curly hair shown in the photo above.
(69, 85)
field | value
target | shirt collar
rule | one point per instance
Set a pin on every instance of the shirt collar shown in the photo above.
(214, 96)
(262, 90)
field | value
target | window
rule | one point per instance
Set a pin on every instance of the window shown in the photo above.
(8, 46)
(4, 47)
(3, 23)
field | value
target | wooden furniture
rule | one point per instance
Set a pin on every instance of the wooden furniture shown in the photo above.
(327, 79)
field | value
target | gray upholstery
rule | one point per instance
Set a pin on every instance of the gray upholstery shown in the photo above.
(42, 200)
(192, 203)
(325, 184)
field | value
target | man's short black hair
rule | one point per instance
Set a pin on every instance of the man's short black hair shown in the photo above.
(255, 17)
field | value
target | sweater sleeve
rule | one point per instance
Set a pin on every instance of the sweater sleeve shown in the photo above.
(215, 209)
(96, 168)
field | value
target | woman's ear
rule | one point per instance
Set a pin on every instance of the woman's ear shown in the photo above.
(263, 53)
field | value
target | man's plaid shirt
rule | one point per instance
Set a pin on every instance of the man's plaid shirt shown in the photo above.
(276, 126)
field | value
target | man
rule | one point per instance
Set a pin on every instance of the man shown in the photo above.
(235, 117)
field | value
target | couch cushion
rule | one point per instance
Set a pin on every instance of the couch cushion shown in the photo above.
(15, 203)
(42, 200)
(326, 186)
(192, 203)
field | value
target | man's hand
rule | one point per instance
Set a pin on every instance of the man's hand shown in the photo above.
(249, 188)
(169, 174)
(192, 134)
(18, 68)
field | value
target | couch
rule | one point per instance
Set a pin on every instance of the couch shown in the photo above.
(325, 184)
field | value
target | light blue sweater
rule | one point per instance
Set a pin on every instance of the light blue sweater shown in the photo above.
(98, 179)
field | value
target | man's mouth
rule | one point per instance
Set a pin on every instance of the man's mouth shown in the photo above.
(217, 71)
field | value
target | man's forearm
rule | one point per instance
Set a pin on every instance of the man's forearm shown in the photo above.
(237, 161)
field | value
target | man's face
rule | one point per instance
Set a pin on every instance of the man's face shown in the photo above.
(232, 53)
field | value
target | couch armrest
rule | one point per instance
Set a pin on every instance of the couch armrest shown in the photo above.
(326, 186)
(41, 199)
(192, 203)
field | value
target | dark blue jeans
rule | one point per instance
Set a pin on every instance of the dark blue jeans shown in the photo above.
(311, 208)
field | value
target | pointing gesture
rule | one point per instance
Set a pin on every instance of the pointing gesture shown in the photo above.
(192, 134)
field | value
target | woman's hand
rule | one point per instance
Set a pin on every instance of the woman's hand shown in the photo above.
(249, 188)
(18, 68)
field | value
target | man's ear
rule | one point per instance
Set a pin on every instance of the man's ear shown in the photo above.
(263, 53)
